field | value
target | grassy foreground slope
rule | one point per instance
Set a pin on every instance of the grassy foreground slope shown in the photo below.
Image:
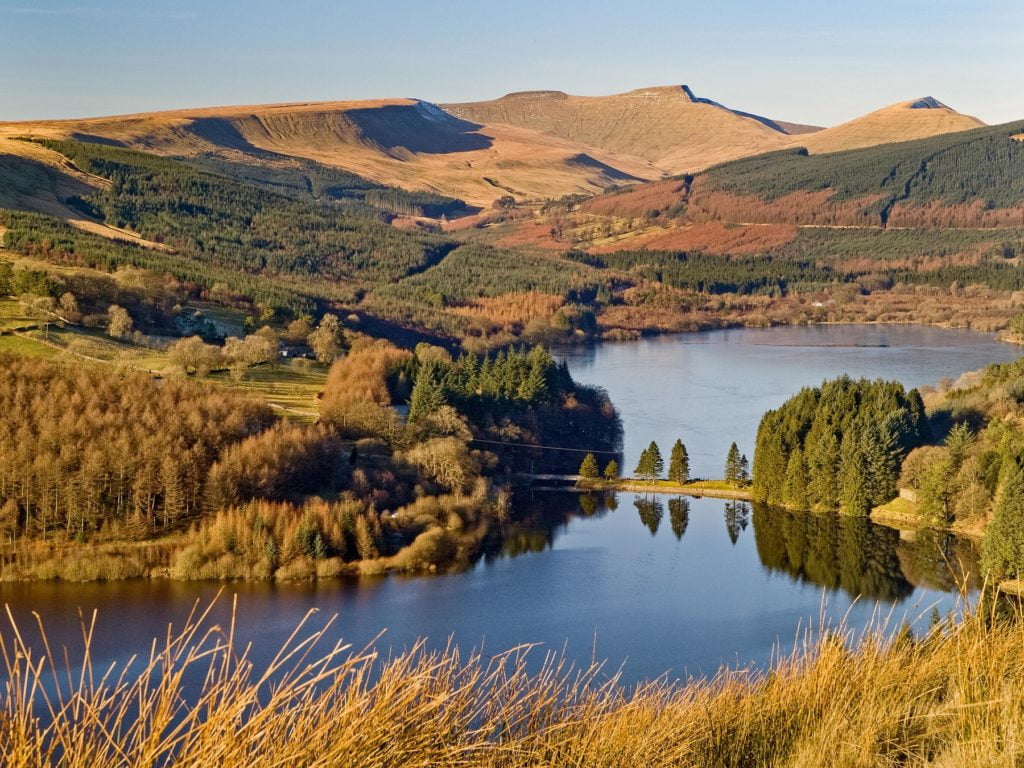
(952, 698)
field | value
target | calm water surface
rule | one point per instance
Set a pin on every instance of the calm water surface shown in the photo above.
(712, 388)
(658, 585)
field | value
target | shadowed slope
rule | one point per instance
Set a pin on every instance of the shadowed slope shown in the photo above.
(402, 142)
(531, 145)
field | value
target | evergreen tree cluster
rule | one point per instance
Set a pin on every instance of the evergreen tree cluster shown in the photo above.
(57, 242)
(519, 396)
(513, 377)
(225, 223)
(1003, 546)
(763, 274)
(311, 181)
(982, 164)
(737, 467)
(838, 446)
(652, 464)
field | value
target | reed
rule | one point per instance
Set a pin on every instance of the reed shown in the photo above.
(952, 698)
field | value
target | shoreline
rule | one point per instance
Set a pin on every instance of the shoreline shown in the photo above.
(714, 489)
(616, 334)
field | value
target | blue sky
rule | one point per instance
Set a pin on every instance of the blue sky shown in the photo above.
(818, 62)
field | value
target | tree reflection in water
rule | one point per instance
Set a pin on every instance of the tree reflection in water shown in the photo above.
(539, 516)
(737, 518)
(651, 511)
(832, 551)
(858, 556)
(679, 516)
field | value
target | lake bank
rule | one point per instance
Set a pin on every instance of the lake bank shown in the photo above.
(713, 489)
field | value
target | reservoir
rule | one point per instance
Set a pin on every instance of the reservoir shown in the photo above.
(655, 585)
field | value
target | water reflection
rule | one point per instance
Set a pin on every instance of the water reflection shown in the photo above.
(540, 516)
(859, 557)
(850, 554)
(737, 518)
(651, 511)
(679, 516)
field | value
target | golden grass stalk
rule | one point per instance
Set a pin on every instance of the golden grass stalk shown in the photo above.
(952, 698)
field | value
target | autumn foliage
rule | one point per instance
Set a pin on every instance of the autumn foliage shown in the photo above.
(83, 448)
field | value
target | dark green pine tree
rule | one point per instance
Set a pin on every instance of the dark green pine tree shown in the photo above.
(644, 465)
(657, 463)
(679, 515)
(534, 386)
(1002, 549)
(428, 391)
(679, 464)
(795, 488)
(769, 460)
(959, 441)
(882, 458)
(821, 455)
(486, 379)
(651, 464)
(744, 469)
(589, 468)
(854, 477)
(733, 471)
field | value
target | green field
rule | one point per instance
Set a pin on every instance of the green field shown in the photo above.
(285, 386)
(19, 345)
(292, 387)
(12, 315)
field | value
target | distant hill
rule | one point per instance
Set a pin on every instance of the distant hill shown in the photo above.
(908, 120)
(533, 146)
(668, 126)
(401, 142)
(965, 179)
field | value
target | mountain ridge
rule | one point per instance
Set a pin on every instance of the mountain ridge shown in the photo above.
(532, 145)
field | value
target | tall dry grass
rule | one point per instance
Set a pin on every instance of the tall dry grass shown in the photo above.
(953, 698)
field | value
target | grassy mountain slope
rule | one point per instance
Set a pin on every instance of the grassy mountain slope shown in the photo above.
(533, 146)
(667, 126)
(908, 120)
(399, 142)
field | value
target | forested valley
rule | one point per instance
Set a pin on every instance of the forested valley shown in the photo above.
(316, 301)
(107, 474)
